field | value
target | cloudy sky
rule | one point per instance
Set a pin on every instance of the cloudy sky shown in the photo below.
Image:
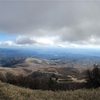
(64, 23)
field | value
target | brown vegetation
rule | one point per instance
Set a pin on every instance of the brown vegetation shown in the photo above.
(10, 92)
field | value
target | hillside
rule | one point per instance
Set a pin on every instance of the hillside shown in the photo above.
(27, 65)
(10, 92)
(43, 68)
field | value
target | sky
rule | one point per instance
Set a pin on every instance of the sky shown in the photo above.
(63, 23)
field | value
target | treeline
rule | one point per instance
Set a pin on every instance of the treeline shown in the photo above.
(11, 61)
(39, 83)
(92, 78)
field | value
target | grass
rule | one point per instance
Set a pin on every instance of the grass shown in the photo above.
(11, 92)
(32, 60)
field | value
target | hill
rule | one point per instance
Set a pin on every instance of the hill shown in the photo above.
(11, 92)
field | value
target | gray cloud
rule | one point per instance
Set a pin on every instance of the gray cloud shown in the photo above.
(73, 21)
(25, 41)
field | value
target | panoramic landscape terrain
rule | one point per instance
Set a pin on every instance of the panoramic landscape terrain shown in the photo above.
(61, 61)
(62, 70)
(49, 50)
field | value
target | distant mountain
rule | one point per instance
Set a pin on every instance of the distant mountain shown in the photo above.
(11, 57)
(50, 53)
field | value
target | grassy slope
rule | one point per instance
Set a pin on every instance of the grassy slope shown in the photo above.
(10, 92)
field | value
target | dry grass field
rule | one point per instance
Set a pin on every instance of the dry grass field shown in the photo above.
(11, 92)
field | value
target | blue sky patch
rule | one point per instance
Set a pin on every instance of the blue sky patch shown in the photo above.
(7, 37)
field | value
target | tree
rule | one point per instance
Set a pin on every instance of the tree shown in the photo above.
(53, 79)
(93, 77)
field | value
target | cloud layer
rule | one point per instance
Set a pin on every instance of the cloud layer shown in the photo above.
(63, 21)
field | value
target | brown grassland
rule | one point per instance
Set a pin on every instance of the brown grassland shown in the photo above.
(11, 92)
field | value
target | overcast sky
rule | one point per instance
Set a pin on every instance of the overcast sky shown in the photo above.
(63, 23)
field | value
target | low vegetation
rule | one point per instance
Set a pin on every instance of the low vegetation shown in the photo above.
(10, 92)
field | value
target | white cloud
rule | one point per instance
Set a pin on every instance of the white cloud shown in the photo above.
(7, 43)
(29, 40)
(44, 41)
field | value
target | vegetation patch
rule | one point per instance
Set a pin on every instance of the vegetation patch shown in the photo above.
(11, 92)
